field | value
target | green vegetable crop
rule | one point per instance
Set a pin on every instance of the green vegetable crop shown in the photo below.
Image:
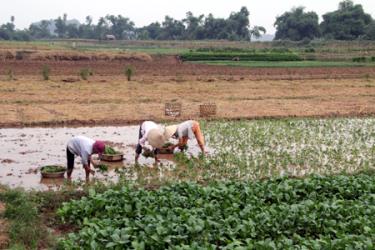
(109, 151)
(336, 212)
(53, 169)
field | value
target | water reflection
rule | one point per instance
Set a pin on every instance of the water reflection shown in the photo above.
(24, 151)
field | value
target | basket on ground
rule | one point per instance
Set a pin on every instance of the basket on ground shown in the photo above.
(207, 109)
(112, 157)
(173, 109)
(52, 171)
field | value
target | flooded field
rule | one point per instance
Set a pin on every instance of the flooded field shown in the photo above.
(24, 151)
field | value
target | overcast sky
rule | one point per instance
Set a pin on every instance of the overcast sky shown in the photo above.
(143, 12)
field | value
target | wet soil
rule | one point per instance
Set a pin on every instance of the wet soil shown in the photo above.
(28, 149)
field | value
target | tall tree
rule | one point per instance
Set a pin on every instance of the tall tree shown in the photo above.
(40, 31)
(239, 23)
(120, 26)
(370, 31)
(347, 23)
(297, 25)
(172, 29)
(194, 27)
(61, 26)
(256, 31)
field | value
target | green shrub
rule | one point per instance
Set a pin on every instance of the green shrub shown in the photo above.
(373, 59)
(310, 50)
(10, 75)
(129, 71)
(25, 223)
(85, 73)
(359, 59)
(45, 72)
(228, 56)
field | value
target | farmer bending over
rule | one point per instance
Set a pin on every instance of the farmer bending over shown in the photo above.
(83, 147)
(152, 133)
(183, 132)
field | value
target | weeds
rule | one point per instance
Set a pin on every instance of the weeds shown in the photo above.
(25, 226)
(45, 72)
(129, 72)
(85, 73)
(10, 75)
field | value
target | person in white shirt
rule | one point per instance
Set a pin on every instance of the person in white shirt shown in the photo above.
(84, 147)
(183, 132)
(152, 133)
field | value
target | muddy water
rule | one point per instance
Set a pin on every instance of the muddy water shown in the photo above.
(24, 151)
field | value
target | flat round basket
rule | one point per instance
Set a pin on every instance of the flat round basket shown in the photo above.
(165, 151)
(116, 157)
(48, 174)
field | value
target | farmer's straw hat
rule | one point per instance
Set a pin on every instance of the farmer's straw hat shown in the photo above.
(169, 131)
(155, 138)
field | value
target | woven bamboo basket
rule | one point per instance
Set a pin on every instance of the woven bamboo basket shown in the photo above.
(207, 109)
(59, 174)
(116, 157)
(173, 109)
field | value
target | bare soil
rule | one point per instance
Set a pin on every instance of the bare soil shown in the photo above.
(107, 98)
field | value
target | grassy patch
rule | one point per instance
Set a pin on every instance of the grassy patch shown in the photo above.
(294, 64)
(25, 229)
(240, 56)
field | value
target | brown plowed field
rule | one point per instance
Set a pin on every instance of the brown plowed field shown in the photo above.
(171, 66)
(107, 98)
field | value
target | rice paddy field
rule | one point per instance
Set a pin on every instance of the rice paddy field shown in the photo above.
(269, 184)
(254, 150)
(290, 153)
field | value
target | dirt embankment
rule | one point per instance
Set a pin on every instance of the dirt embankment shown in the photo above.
(146, 66)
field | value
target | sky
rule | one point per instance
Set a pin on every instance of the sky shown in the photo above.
(144, 12)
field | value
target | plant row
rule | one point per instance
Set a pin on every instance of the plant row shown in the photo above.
(315, 212)
(230, 56)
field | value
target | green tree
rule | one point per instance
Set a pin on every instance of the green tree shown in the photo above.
(194, 27)
(370, 31)
(152, 31)
(347, 23)
(172, 29)
(120, 26)
(101, 29)
(38, 31)
(238, 25)
(297, 25)
(256, 31)
(61, 26)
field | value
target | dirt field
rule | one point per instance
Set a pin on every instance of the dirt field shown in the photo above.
(107, 98)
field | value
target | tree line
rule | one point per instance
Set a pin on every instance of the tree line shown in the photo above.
(348, 22)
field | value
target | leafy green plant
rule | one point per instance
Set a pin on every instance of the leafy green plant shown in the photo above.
(45, 72)
(129, 72)
(53, 169)
(316, 212)
(85, 73)
(102, 167)
(109, 151)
